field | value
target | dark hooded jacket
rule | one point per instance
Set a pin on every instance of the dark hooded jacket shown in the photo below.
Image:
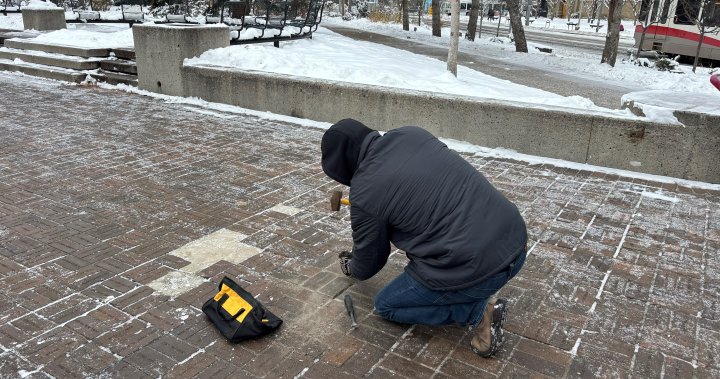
(408, 188)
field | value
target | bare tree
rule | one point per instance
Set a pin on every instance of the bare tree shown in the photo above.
(454, 36)
(436, 18)
(552, 6)
(705, 14)
(516, 26)
(613, 35)
(635, 7)
(405, 15)
(472, 21)
(589, 8)
(648, 17)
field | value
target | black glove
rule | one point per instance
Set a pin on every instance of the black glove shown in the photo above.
(345, 257)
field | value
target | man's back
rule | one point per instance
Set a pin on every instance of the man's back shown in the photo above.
(455, 226)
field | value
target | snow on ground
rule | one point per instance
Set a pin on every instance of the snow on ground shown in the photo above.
(12, 21)
(656, 103)
(569, 61)
(87, 39)
(560, 24)
(330, 56)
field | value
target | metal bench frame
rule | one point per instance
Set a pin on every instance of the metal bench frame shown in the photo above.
(14, 7)
(283, 17)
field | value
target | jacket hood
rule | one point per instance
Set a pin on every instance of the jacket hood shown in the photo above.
(340, 148)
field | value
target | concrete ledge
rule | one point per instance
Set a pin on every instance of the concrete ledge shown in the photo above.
(43, 18)
(65, 62)
(57, 49)
(8, 34)
(683, 152)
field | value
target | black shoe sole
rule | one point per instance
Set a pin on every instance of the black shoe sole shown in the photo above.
(499, 315)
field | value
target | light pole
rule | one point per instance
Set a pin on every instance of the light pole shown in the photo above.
(481, 15)
(527, 12)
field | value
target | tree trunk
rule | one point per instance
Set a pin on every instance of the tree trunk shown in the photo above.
(697, 51)
(516, 26)
(405, 16)
(454, 36)
(436, 18)
(472, 21)
(613, 35)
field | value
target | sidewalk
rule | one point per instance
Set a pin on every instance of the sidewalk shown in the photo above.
(102, 191)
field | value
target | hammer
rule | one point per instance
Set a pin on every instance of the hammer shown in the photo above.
(336, 199)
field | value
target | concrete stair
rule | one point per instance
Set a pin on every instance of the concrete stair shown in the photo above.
(43, 71)
(119, 65)
(49, 59)
(8, 34)
(112, 77)
(69, 63)
(25, 44)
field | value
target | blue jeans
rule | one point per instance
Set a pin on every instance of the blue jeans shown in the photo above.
(407, 301)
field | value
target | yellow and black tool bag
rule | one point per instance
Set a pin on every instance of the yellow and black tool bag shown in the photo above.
(237, 314)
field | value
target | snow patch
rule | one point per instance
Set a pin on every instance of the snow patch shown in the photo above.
(660, 196)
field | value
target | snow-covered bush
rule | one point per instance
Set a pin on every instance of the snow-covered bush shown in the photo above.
(360, 8)
(642, 62)
(195, 8)
(663, 63)
(331, 9)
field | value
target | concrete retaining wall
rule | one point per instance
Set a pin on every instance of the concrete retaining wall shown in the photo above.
(685, 152)
(161, 48)
(43, 18)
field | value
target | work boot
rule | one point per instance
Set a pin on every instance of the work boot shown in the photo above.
(489, 334)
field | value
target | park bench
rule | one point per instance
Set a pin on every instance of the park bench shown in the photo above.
(10, 6)
(278, 20)
(131, 12)
(572, 25)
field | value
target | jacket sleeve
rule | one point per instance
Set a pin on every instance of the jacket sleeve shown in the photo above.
(371, 246)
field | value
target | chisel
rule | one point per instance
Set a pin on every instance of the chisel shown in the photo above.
(350, 310)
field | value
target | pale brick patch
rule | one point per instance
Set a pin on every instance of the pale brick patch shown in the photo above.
(290, 211)
(223, 245)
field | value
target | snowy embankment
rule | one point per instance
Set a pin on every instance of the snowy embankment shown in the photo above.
(683, 90)
(330, 56)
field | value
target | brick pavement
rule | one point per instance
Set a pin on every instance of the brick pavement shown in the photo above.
(98, 187)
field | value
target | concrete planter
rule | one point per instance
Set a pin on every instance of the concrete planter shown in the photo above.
(43, 18)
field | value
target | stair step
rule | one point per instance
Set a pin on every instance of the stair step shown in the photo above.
(16, 43)
(49, 59)
(43, 71)
(8, 34)
(115, 78)
(121, 53)
(119, 65)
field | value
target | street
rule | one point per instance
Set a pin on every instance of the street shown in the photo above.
(582, 41)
